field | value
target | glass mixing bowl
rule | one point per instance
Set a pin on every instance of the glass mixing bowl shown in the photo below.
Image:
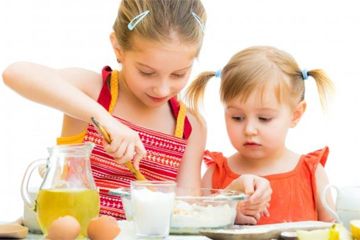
(196, 211)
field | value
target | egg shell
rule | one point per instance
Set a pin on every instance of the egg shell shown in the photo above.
(64, 228)
(103, 228)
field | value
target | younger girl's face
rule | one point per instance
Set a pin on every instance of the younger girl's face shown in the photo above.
(257, 128)
(155, 72)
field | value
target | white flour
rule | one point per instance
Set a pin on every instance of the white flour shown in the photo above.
(187, 215)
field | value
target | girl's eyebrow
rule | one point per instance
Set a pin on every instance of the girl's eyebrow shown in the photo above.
(144, 65)
(185, 68)
(272, 110)
(232, 107)
(147, 66)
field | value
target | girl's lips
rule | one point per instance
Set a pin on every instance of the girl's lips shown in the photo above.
(251, 144)
(156, 99)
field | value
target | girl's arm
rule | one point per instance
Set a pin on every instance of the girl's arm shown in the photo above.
(321, 182)
(247, 212)
(206, 181)
(73, 91)
(189, 176)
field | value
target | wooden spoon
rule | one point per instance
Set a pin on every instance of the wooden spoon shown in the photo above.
(13, 230)
(138, 175)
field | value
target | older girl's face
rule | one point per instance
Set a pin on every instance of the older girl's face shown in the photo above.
(155, 72)
(258, 126)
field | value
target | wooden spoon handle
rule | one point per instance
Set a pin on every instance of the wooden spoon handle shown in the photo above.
(138, 175)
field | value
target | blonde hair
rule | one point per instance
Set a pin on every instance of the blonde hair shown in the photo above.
(255, 68)
(165, 17)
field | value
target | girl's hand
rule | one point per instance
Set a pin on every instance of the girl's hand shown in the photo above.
(249, 214)
(259, 191)
(125, 143)
(257, 188)
(243, 219)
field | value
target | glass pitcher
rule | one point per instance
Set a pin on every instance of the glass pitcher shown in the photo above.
(347, 203)
(68, 187)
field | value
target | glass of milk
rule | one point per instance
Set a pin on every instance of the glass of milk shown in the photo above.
(152, 205)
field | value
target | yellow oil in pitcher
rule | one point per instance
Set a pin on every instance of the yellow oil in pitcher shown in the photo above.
(82, 204)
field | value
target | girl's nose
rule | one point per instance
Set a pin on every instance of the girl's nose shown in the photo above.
(250, 128)
(162, 90)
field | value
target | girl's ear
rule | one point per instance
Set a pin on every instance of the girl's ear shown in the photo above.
(119, 52)
(298, 113)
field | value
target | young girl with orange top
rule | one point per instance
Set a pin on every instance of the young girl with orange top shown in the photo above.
(262, 89)
(156, 43)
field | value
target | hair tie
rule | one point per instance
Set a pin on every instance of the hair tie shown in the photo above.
(198, 19)
(218, 73)
(132, 24)
(304, 74)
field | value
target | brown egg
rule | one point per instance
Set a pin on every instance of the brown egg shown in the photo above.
(103, 228)
(64, 228)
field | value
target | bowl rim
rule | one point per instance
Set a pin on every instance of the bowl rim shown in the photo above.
(220, 195)
(229, 194)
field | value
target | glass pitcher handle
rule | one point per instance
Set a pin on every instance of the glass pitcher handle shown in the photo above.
(325, 203)
(25, 182)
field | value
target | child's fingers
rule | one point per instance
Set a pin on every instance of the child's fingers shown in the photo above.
(256, 207)
(251, 212)
(263, 190)
(120, 152)
(243, 219)
(137, 158)
(266, 212)
(257, 216)
(238, 184)
(248, 184)
(129, 153)
(110, 148)
(251, 206)
(140, 152)
(262, 210)
(263, 201)
(140, 147)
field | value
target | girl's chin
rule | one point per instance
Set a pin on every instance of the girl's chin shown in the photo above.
(253, 155)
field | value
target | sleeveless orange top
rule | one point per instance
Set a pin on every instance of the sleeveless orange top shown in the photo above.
(164, 151)
(294, 193)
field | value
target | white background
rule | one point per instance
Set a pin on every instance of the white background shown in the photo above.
(65, 33)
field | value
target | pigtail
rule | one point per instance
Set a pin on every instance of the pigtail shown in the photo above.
(195, 92)
(324, 85)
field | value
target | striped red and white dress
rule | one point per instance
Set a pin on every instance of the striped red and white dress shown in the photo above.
(164, 151)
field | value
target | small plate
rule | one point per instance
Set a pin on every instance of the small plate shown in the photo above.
(267, 231)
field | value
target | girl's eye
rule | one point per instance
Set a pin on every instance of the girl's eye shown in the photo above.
(237, 118)
(176, 75)
(265, 119)
(147, 74)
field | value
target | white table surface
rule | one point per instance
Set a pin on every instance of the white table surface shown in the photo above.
(128, 233)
